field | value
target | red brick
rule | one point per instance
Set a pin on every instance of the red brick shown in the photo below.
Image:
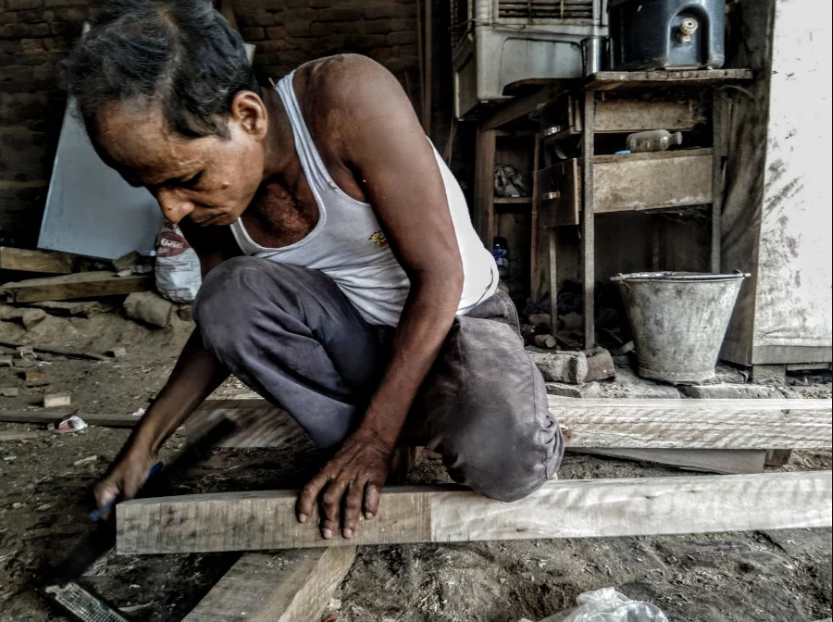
(383, 10)
(16, 72)
(252, 33)
(276, 32)
(70, 14)
(31, 45)
(18, 5)
(60, 44)
(71, 30)
(402, 38)
(364, 42)
(52, 3)
(378, 26)
(276, 45)
(21, 31)
(381, 54)
(323, 29)
(338, 15)
(298, 28)
(257, 17)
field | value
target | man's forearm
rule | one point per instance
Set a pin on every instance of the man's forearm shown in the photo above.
(194, 377)
(426, 319)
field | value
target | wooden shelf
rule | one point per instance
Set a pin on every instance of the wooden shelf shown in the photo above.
(617, 80)
(512, 200)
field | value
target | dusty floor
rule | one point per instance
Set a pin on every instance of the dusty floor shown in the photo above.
(45, 494)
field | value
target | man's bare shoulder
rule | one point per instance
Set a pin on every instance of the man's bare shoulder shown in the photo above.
(350, 82)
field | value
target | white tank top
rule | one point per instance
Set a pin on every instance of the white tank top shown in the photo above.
(350, 247)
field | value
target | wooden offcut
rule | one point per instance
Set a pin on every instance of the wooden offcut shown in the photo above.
(266, 520)
(290, 586)
(57, 400)
(25, 260)
(71, 286)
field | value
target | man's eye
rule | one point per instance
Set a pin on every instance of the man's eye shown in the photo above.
(191, 181)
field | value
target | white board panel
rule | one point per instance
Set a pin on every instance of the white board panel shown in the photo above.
(795, 299)
(90, 209)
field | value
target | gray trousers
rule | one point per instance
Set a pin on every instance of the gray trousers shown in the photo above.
(292, 336)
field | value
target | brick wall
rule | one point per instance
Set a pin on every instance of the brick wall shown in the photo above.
(36, 34)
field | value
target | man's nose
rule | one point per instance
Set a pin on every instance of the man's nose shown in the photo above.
(174, 207)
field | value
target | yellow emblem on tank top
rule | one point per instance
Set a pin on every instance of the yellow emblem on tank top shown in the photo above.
(379, 238)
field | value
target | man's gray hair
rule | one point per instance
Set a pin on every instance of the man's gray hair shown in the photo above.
(180, 55)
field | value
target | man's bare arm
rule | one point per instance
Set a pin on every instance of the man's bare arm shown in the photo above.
(194, 377)
(402, 180)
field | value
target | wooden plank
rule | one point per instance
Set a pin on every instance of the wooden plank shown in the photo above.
(71, 286)
(588, 228)
(724, 461)
(47, 418)
(35, 261)
(484, 186)
(259, 424)
(520, 107)
(611, 80)
(290, 586)
(608, 423)
(717, 180)
(694, 424)
(643, 181)
(568, 509)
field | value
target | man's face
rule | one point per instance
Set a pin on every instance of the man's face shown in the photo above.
(208, 180)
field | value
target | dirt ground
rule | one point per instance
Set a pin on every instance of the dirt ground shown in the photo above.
(45, 488)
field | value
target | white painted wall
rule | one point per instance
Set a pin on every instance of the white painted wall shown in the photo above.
(794, 296)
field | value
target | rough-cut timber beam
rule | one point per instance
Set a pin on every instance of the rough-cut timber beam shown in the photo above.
(571, 509)
(291, 586)
(695, 424)
(604, 423)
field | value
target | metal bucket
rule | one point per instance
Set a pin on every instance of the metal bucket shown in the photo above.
(678, 320)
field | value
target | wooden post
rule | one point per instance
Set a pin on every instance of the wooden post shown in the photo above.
(588, 232)
(553, 255)
(484, 186)
(533, 221)
(429, 74)
(717, 179)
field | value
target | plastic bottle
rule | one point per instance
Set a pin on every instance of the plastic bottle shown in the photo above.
(653, 140)
(501, 260)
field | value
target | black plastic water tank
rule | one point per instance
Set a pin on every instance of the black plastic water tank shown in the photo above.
(659, 34)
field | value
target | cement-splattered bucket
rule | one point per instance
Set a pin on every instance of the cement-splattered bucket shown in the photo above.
(679, 320)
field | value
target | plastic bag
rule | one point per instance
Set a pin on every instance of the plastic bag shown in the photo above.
(609, 605)
(177, 269)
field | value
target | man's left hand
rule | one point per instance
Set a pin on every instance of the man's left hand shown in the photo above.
(353, 479)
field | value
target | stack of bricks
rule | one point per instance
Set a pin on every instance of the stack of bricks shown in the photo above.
(35, 35)
(290, 32)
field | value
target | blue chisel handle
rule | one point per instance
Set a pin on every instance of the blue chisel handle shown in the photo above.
(99, 513)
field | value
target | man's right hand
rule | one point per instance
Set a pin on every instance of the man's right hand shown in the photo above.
(125, 477)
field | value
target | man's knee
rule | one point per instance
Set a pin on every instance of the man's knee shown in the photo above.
(506, 466)
(229, 299)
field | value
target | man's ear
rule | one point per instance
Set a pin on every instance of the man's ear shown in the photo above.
(248, 110)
